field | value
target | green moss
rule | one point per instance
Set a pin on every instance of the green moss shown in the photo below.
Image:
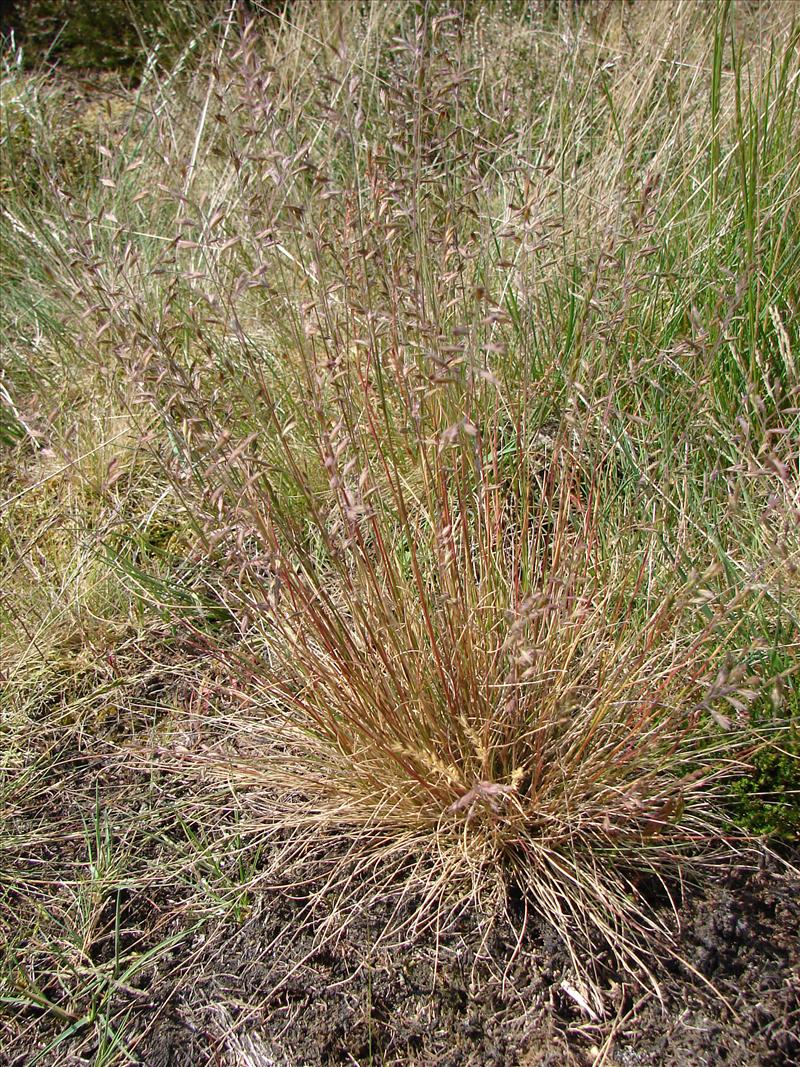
(767, 801)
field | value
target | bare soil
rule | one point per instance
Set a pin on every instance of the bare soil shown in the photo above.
(259, 991)
(470, 1001)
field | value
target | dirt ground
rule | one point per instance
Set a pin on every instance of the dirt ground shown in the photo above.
(256, 989)
(252, 995)
(410, 1007)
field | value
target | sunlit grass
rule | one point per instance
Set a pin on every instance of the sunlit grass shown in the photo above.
(422, 390)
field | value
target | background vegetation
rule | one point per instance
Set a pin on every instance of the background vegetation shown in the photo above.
(399, 410)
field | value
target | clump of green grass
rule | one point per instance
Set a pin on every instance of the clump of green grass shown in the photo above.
(464, 349)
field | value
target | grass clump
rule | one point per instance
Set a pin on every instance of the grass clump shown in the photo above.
(457, 360)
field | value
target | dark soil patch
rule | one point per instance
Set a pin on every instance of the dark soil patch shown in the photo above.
(263, 992)
(472, 1000)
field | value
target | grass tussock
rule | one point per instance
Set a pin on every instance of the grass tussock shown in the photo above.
(421, 387)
